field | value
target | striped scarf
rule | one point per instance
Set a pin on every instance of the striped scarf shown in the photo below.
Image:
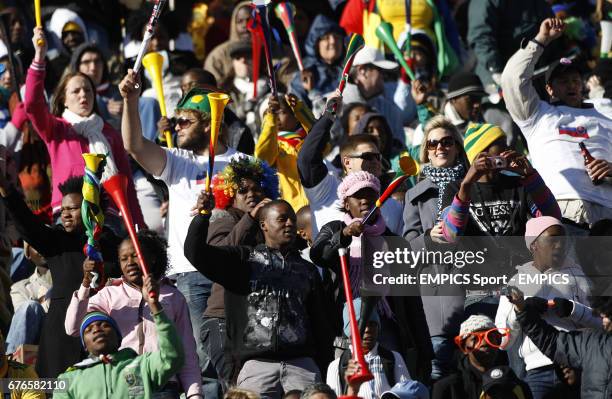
(292, 138)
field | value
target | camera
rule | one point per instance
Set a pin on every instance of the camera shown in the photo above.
(497, 162)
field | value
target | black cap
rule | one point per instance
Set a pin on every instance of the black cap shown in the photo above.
(239, 47)
(558, 68)
(501, 376)
(465, 83)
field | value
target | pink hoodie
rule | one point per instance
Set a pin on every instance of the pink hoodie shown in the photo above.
(65, 146)
(126, 305)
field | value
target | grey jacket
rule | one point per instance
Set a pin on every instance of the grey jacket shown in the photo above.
(443, 313)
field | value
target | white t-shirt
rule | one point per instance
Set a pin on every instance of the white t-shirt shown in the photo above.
(185, 175)
(553, 134)
(325, 206)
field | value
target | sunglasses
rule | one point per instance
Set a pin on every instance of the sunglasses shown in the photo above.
(183, 123)
(446, 142)
(367, 156)
(496, 338)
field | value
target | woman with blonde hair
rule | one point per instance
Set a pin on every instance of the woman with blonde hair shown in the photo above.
(443, 160)
(72, 127)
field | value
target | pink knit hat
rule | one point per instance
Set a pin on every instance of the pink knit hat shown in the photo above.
(355, 181)
(536, 226)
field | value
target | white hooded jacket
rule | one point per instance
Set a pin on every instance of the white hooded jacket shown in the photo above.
(567, 282)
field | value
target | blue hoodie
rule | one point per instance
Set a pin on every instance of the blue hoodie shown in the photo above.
(326, 76)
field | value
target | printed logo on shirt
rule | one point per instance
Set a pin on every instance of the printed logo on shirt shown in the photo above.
(579, 131)
(494, 217)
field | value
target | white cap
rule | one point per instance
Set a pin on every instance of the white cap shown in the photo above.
(369, 55)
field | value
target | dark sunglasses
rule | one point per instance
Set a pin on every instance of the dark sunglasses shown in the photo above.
(183, 123)
(367, 156)
(446, 142)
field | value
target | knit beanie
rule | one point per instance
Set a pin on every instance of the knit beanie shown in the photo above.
(479, 136)
(355, 181)
(475, 323)
(97, 316)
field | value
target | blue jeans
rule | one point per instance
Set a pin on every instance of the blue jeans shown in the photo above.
(25, 326)
(196, 289)
(20, 268)
(541, 381)
(444, 350)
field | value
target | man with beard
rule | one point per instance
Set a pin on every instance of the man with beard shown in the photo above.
(277, 323)
(183, 169)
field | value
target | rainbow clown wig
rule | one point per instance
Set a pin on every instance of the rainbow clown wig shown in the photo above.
(226, 183)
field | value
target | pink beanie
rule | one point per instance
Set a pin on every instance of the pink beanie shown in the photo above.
(355, 181)
(536, 226)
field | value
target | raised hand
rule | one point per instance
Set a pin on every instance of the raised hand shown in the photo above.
(352, 368)
(518, 163)
(39, 40)
(292, 100)
(150, 291)
(164, 124)
(419, 91)
(273, 105)
(333, 106)
(127, 87)
(479, 167)
(88, 267)
(550, 29)
(205, 203)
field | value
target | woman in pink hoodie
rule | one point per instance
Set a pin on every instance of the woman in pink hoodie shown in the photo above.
(73, 127)
(123, 301)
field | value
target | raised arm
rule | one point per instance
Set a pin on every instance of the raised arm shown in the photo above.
(483, 21)
(148, 154)
(311, 167)
(159, 366)
(561, 347)
(81, 303)
(32, 230)
(266, 147)
(35, 105)
(76, 311)
(520, 96)
(213, 261)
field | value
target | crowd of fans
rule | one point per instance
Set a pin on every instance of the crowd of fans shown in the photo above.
(237, 292)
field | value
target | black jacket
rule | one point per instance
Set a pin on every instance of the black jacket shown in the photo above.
(274, 307)
(588, 350)
(408, 310)
(466, 382)
(64, 253)
(311, 166)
